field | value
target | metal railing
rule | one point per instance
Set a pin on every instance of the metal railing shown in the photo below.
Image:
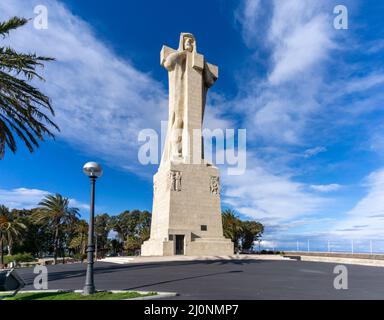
(367, 246)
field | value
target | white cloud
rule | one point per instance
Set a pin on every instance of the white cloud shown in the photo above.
(314, 151)
(25, 198)
(364, 83)
(293, 105)
(248, 15)
(326, 187)
(266, 244)
(278, 106)
(80, 205)
(366, 218)
(269, 197)
(301, 37)
(101, 101)
(21, 198)
(376, 142)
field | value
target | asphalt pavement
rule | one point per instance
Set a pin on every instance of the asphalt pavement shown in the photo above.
(223, 279)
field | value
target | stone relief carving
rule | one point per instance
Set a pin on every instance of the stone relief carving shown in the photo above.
(175, 180)
(215, 185)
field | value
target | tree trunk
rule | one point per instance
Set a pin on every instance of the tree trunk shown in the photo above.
(55, 244)
(96, 248)
(1, 254)
(81, 243)
(10, 247)
(81, 247)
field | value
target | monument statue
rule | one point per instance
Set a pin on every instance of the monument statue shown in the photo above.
(186, 215)
(181, 85)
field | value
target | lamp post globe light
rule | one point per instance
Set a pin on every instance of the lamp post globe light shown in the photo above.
(93, 170)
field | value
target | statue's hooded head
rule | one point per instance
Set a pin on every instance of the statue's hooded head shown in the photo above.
(187, 42)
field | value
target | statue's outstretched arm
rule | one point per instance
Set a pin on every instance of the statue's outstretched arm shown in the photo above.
(209, 77)
(171, 60)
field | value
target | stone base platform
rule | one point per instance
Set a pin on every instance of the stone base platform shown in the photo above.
(197, 247)
(158, 259)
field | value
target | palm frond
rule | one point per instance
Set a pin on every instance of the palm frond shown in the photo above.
(11, 24)
(24, 110)
(16, 62)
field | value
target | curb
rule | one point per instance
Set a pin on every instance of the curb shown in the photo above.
(361, 262)
(158, 259)
(159, 295)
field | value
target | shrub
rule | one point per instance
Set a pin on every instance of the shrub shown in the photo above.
(271, 252)
(19, 257)
(80, 256)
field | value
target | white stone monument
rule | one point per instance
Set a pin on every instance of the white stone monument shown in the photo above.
(186, 214)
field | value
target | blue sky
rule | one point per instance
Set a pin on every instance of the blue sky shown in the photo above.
(310, 97)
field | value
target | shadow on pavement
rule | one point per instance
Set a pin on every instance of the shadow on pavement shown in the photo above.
(185, 278)
(64, 271)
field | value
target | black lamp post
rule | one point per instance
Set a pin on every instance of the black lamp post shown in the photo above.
(93, 171)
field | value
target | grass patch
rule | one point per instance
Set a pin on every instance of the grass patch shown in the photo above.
(78, 296)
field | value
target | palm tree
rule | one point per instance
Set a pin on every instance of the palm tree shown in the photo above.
(3, 229)
(232, 226)
(78, 242)
(82, 229)
(10, 231)
(23, 108)
(54, 210)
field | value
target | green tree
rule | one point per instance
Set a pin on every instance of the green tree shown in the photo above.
(242, 233)
(103, 226)
(124, 224)
(3, 228)
(78, 242)
(82, 232)
(23, 108)
(54, 211)
(115, 245)
(143, 229)
(251, 231)
(10, 231)
(130, 223)
(232, 227)
(37, 237)
(132, 227)
(132, 244)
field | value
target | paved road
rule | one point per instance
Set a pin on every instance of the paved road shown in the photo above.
(233, 279)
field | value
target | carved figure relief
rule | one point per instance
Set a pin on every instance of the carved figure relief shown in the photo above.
(215, 185)
(175, 177)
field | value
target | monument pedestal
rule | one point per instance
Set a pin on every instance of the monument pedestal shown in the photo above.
(186, 215)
